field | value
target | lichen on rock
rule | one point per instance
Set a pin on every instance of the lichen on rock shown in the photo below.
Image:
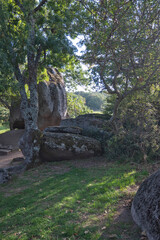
(62, 146)
(146, 206)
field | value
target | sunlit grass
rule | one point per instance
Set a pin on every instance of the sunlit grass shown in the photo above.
(76, 204)
(4, 128)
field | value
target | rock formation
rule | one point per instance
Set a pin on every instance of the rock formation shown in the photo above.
(93, 125)
(15, 118)
(52, 100)
(66, 143)
(146, 206)
(10, 139)
(52, 103)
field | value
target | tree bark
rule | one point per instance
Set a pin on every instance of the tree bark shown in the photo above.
(29, 143)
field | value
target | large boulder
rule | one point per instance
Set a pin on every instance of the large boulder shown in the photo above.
(92, 125)
(59, 129)
(52, 103)
(52, 100)
(11, 139)
(67, 145)
(15, 118)
(146, 206)
(7, 173)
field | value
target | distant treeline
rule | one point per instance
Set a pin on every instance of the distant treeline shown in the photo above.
(94, 100)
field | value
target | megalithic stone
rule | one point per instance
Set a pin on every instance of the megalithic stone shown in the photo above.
(52, 103)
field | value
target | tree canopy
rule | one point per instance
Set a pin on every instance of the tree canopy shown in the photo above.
(122, 45)
(122, 50)
(33, 35)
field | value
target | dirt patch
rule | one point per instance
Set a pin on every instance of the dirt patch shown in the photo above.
(5, 161)
(123, 225)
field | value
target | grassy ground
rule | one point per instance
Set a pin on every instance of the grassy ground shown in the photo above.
(4, 128)
(84, 200)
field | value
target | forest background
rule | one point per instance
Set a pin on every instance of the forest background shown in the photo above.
(121, 40)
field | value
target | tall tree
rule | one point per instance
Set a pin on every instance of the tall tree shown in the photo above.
(122, 45)
(33, 35)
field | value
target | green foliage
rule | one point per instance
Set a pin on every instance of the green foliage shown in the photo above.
(122, 42)
(76, 105)
(109, 104)
(8, 88)
(4, 115)
(139, 131)
(49, 42)
(58, 200)
(4, 128)
(42, 75)
(94, 100)
(75, 75)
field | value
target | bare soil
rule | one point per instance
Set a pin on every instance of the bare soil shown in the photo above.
(6, 161)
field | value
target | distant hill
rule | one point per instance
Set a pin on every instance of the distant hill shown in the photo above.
(94, 100)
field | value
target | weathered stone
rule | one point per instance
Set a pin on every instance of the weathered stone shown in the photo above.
(146, 206)
(59, 129)
(4, 176)
(64, 146)
(17, 160)
(87, 121)
(30, 145)
(10, 139)
(4, 152)
(52, 103)
(92, 125)
(15, 118)
(52, 100)
(7, 173)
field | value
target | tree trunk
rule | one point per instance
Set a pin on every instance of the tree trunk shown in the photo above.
(113, 119)
(30, 142)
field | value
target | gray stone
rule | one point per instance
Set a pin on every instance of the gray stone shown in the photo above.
(52, 103)
(92, 125)
(7, 173)
(17, 160)
(30, 144)
(87, 121)
(10, 139)
(59, 129)
(4, 152)
(15, 119)
(65, 146)
(4, 176)
(52, 100)
(146, 206)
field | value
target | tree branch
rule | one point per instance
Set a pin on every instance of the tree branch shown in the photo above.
(40, 5)
(39, 51)
(135, 88)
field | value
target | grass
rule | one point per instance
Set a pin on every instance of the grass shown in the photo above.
(4, 128)
(67, 201)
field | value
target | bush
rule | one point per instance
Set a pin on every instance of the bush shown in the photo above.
(138, 134)
(4, 115)
(76, 105)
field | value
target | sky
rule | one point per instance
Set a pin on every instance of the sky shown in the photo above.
(81, 49)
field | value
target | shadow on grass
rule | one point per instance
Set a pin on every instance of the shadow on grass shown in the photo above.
(78, 204)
